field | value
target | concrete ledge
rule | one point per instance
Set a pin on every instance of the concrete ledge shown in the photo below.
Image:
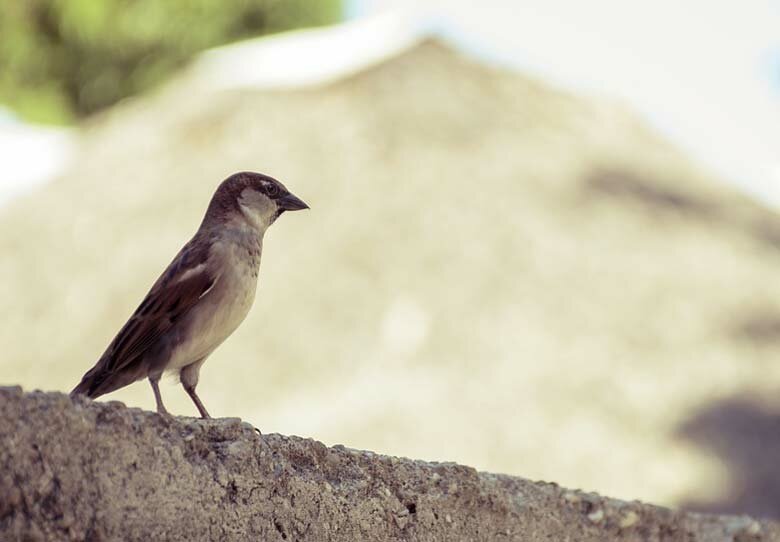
(82, 470)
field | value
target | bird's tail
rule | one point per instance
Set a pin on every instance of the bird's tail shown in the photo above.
(89, 384)
(100, 380)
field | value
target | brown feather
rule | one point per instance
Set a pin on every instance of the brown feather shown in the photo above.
(169, 299)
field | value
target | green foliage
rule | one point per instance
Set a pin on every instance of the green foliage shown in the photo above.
(64, 59)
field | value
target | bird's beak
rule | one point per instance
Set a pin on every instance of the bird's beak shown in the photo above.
(289, 202)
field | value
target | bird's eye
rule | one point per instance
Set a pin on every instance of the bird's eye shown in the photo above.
(271, 190)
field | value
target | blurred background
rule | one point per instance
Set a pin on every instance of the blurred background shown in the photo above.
(543, 238)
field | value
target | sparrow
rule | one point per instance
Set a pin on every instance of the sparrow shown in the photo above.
(200, 298)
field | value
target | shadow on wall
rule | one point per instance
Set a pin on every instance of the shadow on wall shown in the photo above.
(745, 435)
(758, 223)
(761, 327)
(630, 188)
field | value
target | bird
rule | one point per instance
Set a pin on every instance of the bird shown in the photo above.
(201, 297)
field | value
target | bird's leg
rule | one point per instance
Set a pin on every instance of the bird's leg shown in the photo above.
(189, 379)
(154, 380)
(195, 399)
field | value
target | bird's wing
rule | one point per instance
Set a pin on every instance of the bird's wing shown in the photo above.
(186, 280)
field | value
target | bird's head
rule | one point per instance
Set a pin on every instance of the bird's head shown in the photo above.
(257, 198)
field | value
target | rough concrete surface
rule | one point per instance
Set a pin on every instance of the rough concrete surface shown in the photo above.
(82, 470)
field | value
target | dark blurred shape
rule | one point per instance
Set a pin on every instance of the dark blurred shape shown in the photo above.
(661, 198)
(649, 193)
(65, 59)
(768, 230)
(761, 327)
(745, 435)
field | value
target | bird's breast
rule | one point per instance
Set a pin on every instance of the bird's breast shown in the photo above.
(221, 311)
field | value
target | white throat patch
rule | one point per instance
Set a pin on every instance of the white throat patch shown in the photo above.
(257, 208)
